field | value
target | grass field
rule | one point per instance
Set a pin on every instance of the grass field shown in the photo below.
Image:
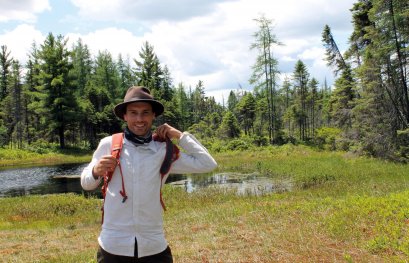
(342, 209)
(18, 157)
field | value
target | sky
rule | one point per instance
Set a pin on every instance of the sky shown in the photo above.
(207, 40)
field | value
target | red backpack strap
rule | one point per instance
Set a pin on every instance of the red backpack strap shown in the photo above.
(171, 155)
(116, 147)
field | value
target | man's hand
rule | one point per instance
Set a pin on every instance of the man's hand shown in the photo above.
(106, 164)
(166, 130)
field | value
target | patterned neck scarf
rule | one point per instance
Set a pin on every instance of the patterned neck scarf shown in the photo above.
(136, 139)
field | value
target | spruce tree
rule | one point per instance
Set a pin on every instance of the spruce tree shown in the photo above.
(149, 72)
(265, 71)
(55, 65)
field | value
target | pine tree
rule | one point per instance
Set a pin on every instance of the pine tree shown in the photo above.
(390, 38)
(342, 101)
(167, 85)
(127, 79)
(286, 93)
(382, 109)
(199, 103)
(101, 94)
(183, 107)
(246, 111)
(232, 101)
(312, 102)
(149, 72)
(54, 75)
(359, 39)
(5, 68)
(82, 65)
(301, 78)
(12, 107)
(36, 112)
(16, 117)
(265, 71)
(333, 55)
(5, 65)
(373, 117)
(229, 127)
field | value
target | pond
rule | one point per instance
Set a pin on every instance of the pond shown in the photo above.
(65, 179)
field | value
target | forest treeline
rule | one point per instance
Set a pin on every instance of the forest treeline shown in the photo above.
(65, 96)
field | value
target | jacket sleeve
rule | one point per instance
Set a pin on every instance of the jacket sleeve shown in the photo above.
(194, 158)
(88, 181)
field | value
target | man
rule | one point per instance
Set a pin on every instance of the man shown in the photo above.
(132, 229)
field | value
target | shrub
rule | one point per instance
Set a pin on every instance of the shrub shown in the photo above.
(327, 138)
(41, 146)
(3, 135)
(403, 143)
(238, 145)
(260, 140)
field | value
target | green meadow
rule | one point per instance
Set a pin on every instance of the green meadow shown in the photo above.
(341, 208)
(18, 157)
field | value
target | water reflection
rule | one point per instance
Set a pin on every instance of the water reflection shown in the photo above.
(65, 179)
(252, 184)
(40, 180)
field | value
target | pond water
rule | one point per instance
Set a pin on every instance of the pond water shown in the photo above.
(65, 179)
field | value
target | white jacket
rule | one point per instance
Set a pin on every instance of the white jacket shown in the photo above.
(140, 217)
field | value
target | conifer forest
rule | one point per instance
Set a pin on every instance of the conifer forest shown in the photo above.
(64, 96)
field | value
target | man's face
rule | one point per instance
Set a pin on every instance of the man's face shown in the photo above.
(139, 116)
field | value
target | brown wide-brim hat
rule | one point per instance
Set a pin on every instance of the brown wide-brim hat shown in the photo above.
(138, 94)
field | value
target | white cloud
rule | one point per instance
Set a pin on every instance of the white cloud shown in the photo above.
(210, 40)
(152, 10)
(19, 41)
(114, 40)
(312, 53)
(22, 10)
(214, 49)
(98, 9)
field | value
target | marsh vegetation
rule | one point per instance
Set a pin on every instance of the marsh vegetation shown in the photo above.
(341, 208)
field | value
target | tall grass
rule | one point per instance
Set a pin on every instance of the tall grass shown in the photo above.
(341, 209)
(18, 157)
(288, 227)
(333, 173)
(49, 228)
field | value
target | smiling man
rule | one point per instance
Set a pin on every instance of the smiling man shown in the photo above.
(132, 229)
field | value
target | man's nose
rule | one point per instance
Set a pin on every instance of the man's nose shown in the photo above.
(138, 117)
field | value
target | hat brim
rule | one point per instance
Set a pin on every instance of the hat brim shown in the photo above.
(120, 109)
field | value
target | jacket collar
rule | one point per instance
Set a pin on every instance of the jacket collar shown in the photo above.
(153, 145)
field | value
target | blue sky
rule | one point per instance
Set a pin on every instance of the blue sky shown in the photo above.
(196, 39)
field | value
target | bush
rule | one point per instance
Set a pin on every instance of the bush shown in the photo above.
(238, 145)
(260, 140)
(327, 138)
(3, 135)
(15, 154)
(403, 143)
(41, 146)
(242, 143)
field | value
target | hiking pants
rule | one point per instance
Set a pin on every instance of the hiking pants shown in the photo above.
(163, 257)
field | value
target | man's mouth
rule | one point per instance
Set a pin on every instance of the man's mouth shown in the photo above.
(139, 127)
